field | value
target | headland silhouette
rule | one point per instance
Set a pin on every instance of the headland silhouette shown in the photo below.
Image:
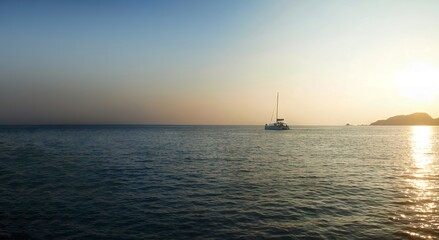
(418, 118)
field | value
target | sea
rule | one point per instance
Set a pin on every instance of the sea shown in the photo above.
(219, 182)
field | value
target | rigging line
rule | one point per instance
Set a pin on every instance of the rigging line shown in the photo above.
(272, 114)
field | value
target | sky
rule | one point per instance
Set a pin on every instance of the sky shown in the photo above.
(217, 62)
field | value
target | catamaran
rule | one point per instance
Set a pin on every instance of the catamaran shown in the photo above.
(279, 124)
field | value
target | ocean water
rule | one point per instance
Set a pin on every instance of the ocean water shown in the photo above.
(219, 182)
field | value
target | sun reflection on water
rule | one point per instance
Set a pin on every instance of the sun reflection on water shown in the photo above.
(422, 193)
(422, 146)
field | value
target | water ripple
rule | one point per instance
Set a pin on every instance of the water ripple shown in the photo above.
(199, 182)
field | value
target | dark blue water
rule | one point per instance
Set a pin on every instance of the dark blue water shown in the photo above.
(218, 182)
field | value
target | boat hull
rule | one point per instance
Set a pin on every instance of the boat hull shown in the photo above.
(271, 127)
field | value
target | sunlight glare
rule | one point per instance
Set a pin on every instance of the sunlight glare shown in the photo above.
(422, 146)
(422, 193)
(419, 82)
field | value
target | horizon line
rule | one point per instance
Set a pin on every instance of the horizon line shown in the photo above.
(155, 124)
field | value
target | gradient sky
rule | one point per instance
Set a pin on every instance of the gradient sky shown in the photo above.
(214, 62)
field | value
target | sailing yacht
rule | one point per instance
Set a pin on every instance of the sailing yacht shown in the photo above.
(279, 124)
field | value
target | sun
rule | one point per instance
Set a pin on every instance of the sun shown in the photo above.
(419, 82)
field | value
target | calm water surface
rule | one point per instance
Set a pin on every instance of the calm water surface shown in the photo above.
(216, 182)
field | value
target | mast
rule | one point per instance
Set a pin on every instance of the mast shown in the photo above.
(277, 106)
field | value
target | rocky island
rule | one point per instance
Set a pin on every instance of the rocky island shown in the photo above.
(411, 119)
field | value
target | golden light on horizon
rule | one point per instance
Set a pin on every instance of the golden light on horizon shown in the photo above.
(419, 82)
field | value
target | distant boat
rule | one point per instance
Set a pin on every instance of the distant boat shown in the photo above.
(279, 124)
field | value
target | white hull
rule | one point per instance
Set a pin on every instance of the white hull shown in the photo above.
(273, 127)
